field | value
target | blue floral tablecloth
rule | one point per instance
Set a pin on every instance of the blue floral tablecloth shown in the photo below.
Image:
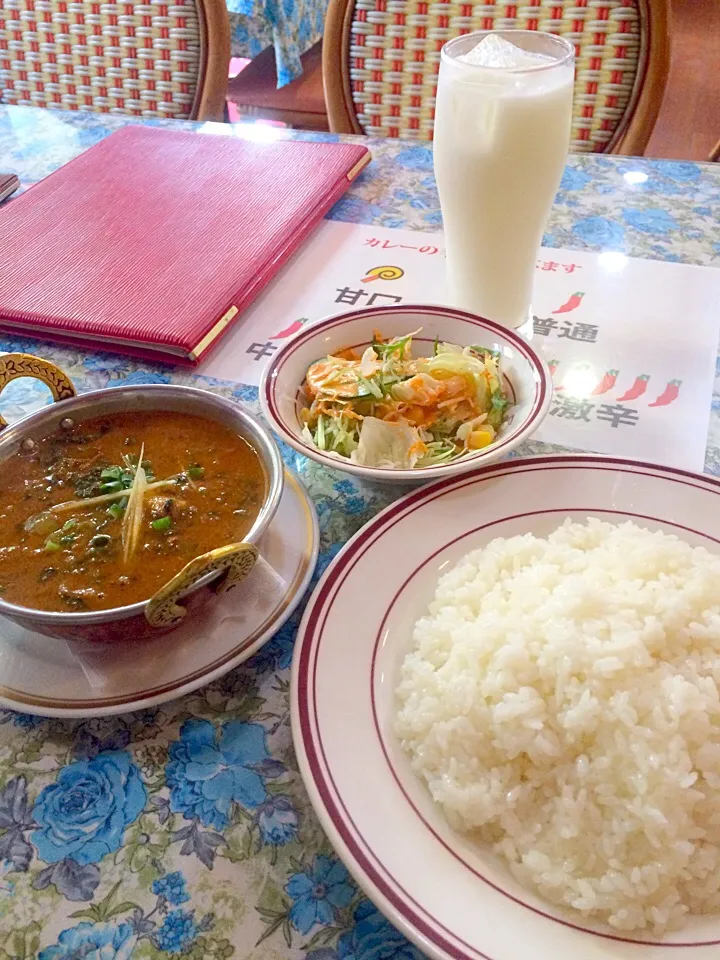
(290, 26)
(185, 830)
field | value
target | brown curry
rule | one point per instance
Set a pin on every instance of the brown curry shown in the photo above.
(65, 538)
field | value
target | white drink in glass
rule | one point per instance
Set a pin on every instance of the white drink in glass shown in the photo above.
(502, 128)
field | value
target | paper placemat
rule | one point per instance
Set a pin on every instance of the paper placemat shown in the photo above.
(631, 343)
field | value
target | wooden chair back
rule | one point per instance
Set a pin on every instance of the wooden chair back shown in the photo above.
(150, 59)
(381, 59)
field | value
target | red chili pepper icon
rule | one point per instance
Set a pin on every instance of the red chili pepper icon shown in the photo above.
(669, 394)
(637, 389)
(553, 365)
(607, 383)
(288, 331)
(571, 303)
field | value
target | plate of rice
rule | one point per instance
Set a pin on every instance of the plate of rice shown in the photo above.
(506, 712)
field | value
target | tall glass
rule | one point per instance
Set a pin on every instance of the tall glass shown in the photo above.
(501, 140)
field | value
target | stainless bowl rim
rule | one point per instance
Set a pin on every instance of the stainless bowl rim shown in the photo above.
(250, 424)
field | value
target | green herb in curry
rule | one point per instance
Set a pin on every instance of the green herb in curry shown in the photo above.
(66, 540)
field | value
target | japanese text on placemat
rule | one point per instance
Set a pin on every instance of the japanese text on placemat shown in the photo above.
(565, 330)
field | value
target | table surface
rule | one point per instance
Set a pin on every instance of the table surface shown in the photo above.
(134, 836)
(290, 26)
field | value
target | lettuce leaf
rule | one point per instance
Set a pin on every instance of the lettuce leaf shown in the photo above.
(384, 444)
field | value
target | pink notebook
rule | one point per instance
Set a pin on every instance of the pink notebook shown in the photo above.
(153, 242)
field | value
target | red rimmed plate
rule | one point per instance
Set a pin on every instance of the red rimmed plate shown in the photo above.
(453, 898)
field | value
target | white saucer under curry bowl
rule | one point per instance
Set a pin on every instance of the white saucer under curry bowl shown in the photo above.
(55, 678)
(527, 379)
(454, 898)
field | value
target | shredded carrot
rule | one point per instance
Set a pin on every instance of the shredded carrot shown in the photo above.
(417, 416)
(346, 354)
(381, 410)
(350, 413)
(419, 448)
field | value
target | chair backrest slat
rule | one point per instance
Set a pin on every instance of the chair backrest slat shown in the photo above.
(149, 59)
(381, 59)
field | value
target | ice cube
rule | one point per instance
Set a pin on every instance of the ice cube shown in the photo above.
(498, 53)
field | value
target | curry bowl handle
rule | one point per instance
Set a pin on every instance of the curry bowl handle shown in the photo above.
(236, 559)
(15, 365)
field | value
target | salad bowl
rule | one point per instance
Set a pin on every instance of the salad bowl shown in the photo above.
(515, 403)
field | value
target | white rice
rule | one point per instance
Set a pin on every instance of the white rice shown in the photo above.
(561, 702)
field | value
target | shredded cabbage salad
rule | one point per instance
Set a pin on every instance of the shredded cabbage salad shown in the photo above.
(387, 408)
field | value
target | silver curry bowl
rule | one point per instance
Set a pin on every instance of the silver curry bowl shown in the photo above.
(201, 579)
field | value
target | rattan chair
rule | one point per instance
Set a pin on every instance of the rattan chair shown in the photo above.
(381, 58)
(151, 59)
